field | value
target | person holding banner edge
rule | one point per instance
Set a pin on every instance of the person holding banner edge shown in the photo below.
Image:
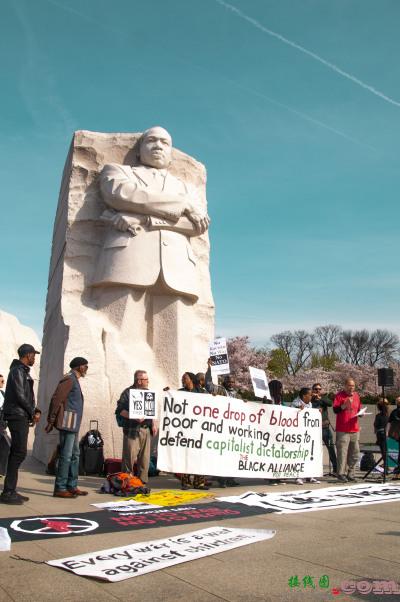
(192, 385)
(228, 389)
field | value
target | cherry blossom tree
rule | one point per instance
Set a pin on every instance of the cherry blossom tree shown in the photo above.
(242, 355)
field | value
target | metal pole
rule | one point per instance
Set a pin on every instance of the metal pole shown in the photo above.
(385, 443)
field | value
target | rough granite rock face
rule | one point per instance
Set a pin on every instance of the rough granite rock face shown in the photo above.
(12, 335)
(105, 324)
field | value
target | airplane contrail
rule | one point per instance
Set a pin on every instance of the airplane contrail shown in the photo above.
(316, 57)
(303, 116)
(277, 103)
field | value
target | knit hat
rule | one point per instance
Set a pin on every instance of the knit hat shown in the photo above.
(78, 361)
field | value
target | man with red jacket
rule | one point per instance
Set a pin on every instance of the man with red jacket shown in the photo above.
(346, 406)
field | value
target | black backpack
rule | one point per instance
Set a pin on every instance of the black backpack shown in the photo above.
(367, 461)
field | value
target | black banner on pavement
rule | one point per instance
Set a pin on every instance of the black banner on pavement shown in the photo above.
(46, 527)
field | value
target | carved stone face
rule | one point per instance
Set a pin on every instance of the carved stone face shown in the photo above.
(156, 148)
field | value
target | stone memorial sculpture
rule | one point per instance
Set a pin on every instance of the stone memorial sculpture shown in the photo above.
(129, 284)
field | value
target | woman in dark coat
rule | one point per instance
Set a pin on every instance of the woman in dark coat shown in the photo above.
(380, 425)
(191, 385)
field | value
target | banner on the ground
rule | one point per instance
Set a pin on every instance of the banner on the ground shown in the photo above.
(319, 499)
(124, 506)
(100, 521)
(142, 404)
(117, 564)
(259, 381)
(203, 434)
(52, 526)
(166, 497)
(219, 357)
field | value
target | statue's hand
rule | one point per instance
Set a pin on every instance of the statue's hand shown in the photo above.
(120, 223)
(201, 221)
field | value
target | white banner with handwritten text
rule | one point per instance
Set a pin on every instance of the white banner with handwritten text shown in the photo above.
(222, 436)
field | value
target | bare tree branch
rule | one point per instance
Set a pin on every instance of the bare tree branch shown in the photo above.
(328, 339)
(297, 347)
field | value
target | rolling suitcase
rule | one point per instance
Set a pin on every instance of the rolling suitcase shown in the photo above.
(91, 458)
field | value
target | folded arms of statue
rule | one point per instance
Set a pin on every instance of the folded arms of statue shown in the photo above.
(128, 200)
(134, 224)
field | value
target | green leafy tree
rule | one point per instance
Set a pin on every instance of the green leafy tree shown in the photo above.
(279, 362)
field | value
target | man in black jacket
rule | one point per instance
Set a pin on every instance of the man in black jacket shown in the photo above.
(20, 412)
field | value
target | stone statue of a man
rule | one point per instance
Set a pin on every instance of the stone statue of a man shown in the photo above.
(152, 216)
(125, 288)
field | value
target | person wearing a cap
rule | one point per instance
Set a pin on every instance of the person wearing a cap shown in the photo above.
(20, 411)
(65, 414)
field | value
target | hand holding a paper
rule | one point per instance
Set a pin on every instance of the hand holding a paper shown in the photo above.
(125, 414)
(346, 405)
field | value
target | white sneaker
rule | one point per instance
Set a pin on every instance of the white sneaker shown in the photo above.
(299, 482)
(312, 480)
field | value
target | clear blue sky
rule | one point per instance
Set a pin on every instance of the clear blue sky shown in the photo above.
(302, 159)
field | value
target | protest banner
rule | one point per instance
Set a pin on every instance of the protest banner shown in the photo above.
(165, 497)
(117, 564)
(202, 433)
(219, 357)
(328, 498)
(142, 404)
(50, 526)
(31, 528)
(124, 505)
(259, 381)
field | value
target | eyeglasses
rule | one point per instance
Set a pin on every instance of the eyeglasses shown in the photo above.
(317, 389)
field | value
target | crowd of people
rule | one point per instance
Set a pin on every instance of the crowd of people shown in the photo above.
(18, 412)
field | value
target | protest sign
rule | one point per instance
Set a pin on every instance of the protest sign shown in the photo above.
(260, 382)
(142, 404)
(117, 564)
(319, 499)
(202, 433)
(219, 357)
(166, 497)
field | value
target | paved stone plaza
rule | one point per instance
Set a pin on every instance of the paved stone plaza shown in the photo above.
(350, 543)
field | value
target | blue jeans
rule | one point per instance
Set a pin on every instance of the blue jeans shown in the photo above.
(68, 465)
